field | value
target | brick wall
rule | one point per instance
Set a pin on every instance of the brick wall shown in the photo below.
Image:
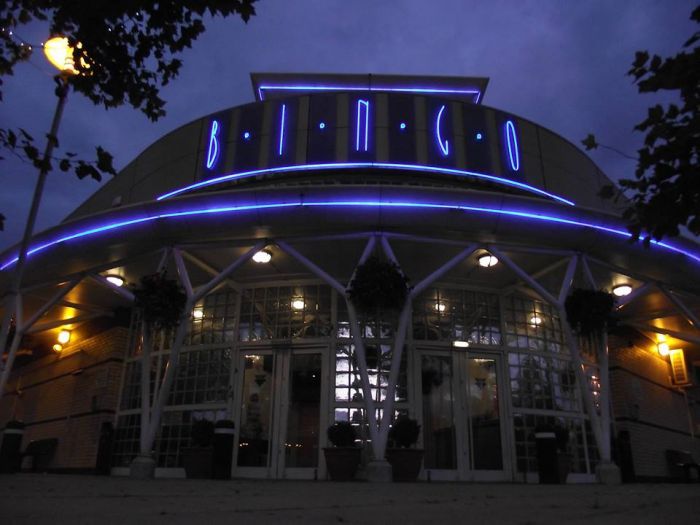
(68, 396)
(649, 407)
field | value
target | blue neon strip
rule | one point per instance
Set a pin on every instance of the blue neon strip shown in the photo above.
(512, 141)
(435, 91)
(360, 104)
(281, 147)
(345, 203)
(214, 150)
(379, 165)
(445, 148)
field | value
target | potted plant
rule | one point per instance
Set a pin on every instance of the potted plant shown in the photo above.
(378, 284)
(405, 460)
(10, 447)
(343, 458)
(198, 457)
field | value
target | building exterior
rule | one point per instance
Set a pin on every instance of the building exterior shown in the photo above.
(494, 219)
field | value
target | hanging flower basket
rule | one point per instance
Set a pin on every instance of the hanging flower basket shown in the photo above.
(590, 312)
(378, 285)
(161, 300)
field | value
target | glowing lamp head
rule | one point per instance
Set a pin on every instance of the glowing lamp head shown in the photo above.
(116, 280)
(298, 304)
(440, 307)
(60, 54)
(262, 257)
(487, 260)
(460, 344)
(536, 320)
(63, 337)
(622, 290)
(663, 349)
(58, 348)
(198, 313)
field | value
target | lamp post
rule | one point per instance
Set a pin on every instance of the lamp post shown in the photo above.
(60, 54)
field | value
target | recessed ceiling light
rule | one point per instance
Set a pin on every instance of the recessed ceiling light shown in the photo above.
(63, 337)
(262, 257)
(460, 344)
(487, 260)
(663, 349)
(116, 280)
(622, 289)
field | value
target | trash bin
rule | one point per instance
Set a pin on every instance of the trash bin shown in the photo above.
(223, 449)
(547, 463)
(10, 450)
(104, 449)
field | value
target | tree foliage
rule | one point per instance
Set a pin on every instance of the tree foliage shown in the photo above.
(129, 50)
(665, 193)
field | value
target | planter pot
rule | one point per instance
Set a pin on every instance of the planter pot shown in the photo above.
(342, 462)
(198, 462)
(405, 463)
(563, 466)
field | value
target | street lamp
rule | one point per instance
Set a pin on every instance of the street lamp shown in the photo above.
(60, 54)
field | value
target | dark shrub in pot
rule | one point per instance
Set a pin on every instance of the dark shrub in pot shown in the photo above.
(405, 461)
(343, 458)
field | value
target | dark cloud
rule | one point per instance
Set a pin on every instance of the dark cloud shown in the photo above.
(561, 64)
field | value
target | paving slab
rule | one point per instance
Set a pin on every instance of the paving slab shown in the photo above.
(53, 498)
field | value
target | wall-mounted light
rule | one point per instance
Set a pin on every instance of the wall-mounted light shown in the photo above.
(460, 344)
(440, 307)
(262, 257)
(663, 348)
(536, 320)
(198, 313)
(487, 260)
(298, 303)
(116, 280)
(58, 348)
(622, 290)
(63, 337)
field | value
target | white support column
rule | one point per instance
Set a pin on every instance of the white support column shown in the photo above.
(572, 343)
(548, 297)
(684, 336)
(102, 281)
(182, 273)
(587, 272)
(163, 262)
(208, 287)
(605, 420)
(636, 293)
(14, 345)
(400, 338)
(687, 313)
(61, 322)
(210, 269)
(354, 329)
(60, 294)
(568, 279)
(582, 380)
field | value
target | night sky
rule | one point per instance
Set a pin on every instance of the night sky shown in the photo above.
(559, 63)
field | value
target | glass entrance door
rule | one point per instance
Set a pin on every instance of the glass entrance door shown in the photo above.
(280, 414)
(463, 423)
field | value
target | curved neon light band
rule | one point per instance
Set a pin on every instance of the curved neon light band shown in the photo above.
(435, 91)
(379, 165)
(214, 150)
(541, 217)
(446, 147)
(512, 142)
(281, 146)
